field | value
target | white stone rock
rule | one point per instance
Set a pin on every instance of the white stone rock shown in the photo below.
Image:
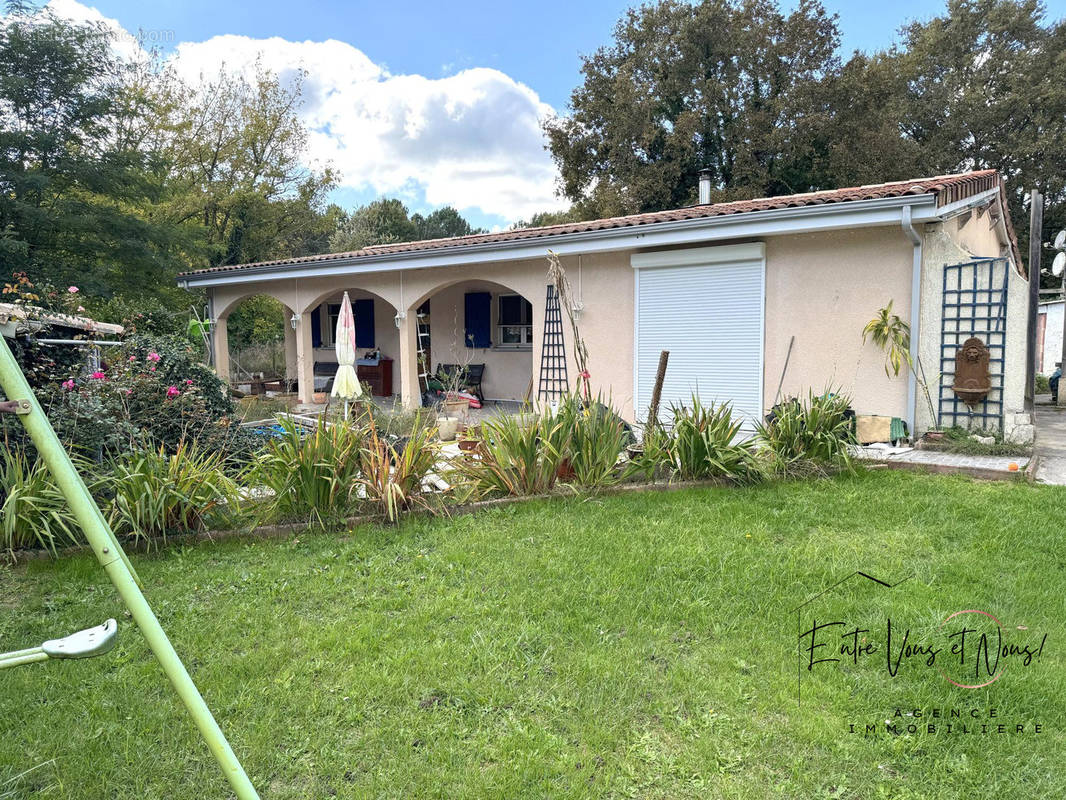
(1023, 434)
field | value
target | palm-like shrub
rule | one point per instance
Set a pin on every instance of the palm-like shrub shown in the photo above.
(577, 444)
(156, 493)
(312, 474)
(517, 455)
(706, 442)
(33, 512)
(596, 436)
(813, 434)
(392, 469)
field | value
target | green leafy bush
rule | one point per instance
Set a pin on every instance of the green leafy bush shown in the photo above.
(155, 493)
(151, 393)
(814, 434)
(596, 437)
(392, 469)
(705, 442)
(313, 474)
(652, 459)
(578, 444)
(517, 455)
(33, 512)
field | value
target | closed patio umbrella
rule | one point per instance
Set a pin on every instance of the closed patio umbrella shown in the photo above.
(346, 383)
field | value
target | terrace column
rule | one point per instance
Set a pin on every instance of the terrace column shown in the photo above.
(220, 349)
(305, 359)
(290, 347)
(410, 393)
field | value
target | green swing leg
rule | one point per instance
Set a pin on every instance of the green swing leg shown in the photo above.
(113, 559)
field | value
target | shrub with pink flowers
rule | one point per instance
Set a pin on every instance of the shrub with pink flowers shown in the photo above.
(153, 392)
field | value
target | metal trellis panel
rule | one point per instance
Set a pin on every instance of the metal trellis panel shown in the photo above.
(974, 303)
(553, 380)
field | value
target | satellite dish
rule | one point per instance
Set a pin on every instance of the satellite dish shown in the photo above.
(1060, 241)
(1058, 264)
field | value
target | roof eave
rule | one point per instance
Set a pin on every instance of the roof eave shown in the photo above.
(769, 222)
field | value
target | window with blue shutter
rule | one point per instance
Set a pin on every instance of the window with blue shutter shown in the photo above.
(478, 319)
(316, 328)
(364, 322)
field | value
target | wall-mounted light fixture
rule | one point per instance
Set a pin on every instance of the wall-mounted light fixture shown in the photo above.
(399, 318)
(577, 309)
(294, 320)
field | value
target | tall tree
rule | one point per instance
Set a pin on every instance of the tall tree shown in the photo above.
(734, 87)
(73, 191)
(443, 223)
(386, 221)
(984, 85)
(237, 150)
(381, 222)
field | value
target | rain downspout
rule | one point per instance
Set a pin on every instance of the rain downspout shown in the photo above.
(916, 317)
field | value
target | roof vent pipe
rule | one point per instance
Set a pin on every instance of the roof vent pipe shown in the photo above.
(705, 187)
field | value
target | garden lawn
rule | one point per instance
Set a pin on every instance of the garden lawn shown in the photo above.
(633, 646)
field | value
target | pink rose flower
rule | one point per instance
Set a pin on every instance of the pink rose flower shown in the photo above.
(68, 384)
(172, 391)
(132, 359)
(72, 289)
(99, 376)
(81, 308)
(154, 356)
(188, 381)
(151, 369)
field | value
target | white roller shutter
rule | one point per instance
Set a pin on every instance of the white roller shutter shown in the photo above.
(706, 307)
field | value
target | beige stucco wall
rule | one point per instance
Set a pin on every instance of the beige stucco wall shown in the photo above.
(602, 283)
(507, 370)
(823, 288)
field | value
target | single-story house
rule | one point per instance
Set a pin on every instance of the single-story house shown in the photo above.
(1049, 336)
(745, 295)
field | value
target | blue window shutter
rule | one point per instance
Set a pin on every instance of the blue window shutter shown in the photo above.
(316, 328)
(364, 322)
(478, 319)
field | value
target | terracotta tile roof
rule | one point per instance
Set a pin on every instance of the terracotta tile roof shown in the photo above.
(947, 188)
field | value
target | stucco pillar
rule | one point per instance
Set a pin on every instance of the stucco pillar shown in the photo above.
(290, 347)
(220, 348)
(410, 392)
(305, 359)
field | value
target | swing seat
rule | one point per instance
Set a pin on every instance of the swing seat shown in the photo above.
(84, 644)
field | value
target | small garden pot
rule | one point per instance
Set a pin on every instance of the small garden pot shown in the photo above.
(565, 472)
(933, 436)
(454, 407)
(318, 397)
(468, 445)
(446, 428)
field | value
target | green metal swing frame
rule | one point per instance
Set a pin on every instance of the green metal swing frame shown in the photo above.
(118, 568)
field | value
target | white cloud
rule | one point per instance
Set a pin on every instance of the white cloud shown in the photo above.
(471, 139)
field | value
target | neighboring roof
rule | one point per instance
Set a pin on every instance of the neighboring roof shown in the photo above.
(946, 188)
(31, 316)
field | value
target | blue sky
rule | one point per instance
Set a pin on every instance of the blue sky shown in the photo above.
(440, 76)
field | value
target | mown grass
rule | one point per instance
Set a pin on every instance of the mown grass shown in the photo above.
(633, 646)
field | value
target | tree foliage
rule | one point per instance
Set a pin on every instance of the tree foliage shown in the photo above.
(759, 97)
(75, 195)
(387, 221)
